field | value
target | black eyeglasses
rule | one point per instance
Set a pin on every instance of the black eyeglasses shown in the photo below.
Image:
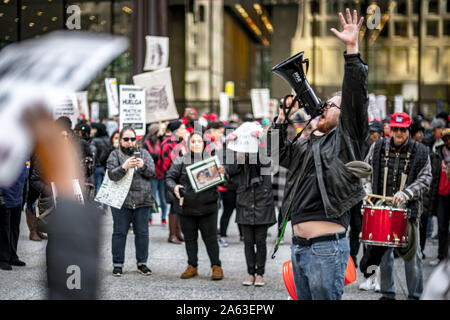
(331, 105)
(128, 139)
(395, 129)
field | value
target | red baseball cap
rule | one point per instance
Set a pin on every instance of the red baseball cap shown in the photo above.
(400, 120)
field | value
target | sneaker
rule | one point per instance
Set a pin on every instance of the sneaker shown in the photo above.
(249, 281)
(164, 222)
(259, 281)
(223, 242)
(144, 270)
(368, 284)
(117, 272)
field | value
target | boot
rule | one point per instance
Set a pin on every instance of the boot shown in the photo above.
(173, 220)
(217, 273)
(32, 225)
(190, 272)
(178, 232)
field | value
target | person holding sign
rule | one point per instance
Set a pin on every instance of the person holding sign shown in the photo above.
(196, 211)
(138, 201)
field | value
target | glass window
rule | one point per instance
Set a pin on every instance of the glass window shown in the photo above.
(432, 28)
(400, 7)
(415, 6)
(315, 6)
(446, 27)
(401, 28)
(332, 7)
(433, 6)
(415, 26)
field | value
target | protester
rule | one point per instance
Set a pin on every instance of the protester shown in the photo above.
(376, 130)
(416, 131)
(152, 143)
(11, 201)
(137, 204)
(173, 146)
(395, 154)
(198, 211)
(432, 137)
(319, 207)
(190, 115)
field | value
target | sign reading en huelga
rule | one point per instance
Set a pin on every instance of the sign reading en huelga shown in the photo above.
(132, 108)
(39, 72)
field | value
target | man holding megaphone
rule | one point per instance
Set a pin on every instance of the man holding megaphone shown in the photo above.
(323, 182)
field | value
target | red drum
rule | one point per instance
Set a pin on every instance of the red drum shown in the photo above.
(385, 226)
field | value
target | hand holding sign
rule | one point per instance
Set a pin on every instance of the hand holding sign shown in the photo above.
(246, 138)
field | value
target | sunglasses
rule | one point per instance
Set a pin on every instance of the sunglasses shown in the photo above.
(128, 139)
(330, 105)
(395, 129)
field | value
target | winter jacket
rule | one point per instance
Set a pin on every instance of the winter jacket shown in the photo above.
(140, 191)
(13, 195)
(195, 204)
(430, 198)
(171, 148)
(340, 190)
(102, 144)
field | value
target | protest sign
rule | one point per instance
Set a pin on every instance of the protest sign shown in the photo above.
(82, 104)
(95, 111)
(157, 56)
(381, 103)
(38, 72)
(112, 96)
(398, 103)
(260, 102)
(224, 106)
(245, 141)
(132, 108)
(66, 107)
(113, 193)
(160, 101)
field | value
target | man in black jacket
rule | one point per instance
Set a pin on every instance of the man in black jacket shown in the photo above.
(319, 207)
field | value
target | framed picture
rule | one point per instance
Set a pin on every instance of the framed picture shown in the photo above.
(205, 174)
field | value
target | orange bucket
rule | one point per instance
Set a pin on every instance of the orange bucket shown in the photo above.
(288, 276)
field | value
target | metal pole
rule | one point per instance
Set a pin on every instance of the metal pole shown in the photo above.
(419, 72)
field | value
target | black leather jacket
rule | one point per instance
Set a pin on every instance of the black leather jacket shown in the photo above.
(339, 188)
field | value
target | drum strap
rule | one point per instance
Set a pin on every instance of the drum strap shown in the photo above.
(404, 175)
(386, 168)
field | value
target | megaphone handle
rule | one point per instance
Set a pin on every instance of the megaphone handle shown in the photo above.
(286, 109)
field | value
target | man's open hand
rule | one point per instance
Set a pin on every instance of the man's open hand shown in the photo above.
(350, 34)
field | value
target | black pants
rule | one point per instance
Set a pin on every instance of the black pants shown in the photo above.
(355, 229)
(9, 233)
(423, 230)
(229, 204)
(255, 235)
(207, 224)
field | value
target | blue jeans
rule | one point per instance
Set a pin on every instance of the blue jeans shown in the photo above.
(413, 273)
(159, 195)
(319, 270)
(122, 219)
(99, 173)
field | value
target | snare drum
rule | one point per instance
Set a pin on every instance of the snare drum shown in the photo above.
(385, 226)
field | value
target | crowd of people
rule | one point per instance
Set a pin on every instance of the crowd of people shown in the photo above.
(318, 184)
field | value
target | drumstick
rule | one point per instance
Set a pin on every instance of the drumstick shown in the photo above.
(380, 197)
(370, 202)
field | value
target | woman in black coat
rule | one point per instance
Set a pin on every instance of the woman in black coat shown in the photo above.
(197, 211)
(255, 212)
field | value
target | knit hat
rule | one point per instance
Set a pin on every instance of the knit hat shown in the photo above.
(437, 123)
(446, 132)
(376, 126)
(174, 125)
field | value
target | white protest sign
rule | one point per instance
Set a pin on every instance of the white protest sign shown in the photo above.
(157, 56)
(381, 103)
(39, 72)
(160, 101)
(66, 107)
(245, 141)
(95, 111)
(112, 96)
(132, 108)
(82, 104)
(114, 193)
(260, 102)
(224, 106)
(373, 110)
(398, 103)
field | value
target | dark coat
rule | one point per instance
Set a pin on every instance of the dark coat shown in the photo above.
(102, 145)
(195, 204)
(430, 198)
(13, 195)
(140, 189)
(339, 188)
(254, 203)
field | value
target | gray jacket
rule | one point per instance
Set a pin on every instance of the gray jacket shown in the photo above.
(140, 190)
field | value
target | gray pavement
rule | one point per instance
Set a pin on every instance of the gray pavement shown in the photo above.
(168, 261)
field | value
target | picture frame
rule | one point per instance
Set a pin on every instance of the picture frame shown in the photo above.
(204, 174)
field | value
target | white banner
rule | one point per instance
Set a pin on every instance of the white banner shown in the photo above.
(260, 102)
(95, 111)
(67, 107)
(132, 108)
(157, 56)
(82, 104)
(159, 102)
(114, 193)
(373, 111)
(398, 103)
(224, 106)
(113, 97)
(381, 103)
(245, 141)
(33, 72)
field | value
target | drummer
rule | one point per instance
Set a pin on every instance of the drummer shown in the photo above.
(402, 170)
